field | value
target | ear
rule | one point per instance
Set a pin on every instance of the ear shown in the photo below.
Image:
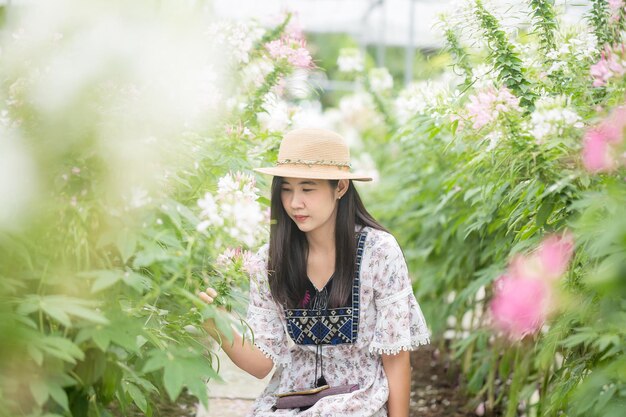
(342, 188)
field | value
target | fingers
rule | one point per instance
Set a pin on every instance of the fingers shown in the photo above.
(208, 296)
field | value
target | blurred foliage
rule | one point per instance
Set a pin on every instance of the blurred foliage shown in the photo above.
(325, 49)
(101, 253)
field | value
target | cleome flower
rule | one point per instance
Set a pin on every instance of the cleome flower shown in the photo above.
(240, 38)
(551, 117)
(350, 60)
(612, 64)
(234, 209)
(291, 47)
(487, 105)
(524, 293)
(603, 144)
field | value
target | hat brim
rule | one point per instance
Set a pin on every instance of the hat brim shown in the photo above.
(312, 173)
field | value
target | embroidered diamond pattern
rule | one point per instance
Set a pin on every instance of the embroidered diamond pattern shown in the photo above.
(334, 326)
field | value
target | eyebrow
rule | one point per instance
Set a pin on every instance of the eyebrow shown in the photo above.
(306, 182)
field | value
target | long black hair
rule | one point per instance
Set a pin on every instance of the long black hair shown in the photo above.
(288, 249)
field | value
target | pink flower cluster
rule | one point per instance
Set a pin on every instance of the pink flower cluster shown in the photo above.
(603, 145)
(251, 263)
(292, 47)
(615, 8)
(611, 64)
(524, 294)
(487, 105)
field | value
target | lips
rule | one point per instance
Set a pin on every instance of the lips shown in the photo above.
(300, 218)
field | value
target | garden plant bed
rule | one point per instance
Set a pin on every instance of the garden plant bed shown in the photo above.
(436, 385)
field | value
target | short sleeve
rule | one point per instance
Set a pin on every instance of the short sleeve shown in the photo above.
(264, 318)
(400, 324)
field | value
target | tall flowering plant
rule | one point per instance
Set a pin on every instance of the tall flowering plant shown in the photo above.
(508, 159)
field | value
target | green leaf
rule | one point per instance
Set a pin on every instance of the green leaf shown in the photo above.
(105, 279)
(156, 361)
(62, 348)
(544, 212)
(137, 281)
(137, 396)
(102, 339)
(59, 395)
(173, 379)
(60, 308)
(57, 313)
(39, 389)
(126, 243)
(35, 353)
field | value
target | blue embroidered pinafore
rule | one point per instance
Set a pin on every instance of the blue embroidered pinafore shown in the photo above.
(319, 325)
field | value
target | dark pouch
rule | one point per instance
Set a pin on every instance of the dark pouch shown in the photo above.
(305, 400)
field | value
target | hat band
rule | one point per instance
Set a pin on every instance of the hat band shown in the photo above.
(311, 162)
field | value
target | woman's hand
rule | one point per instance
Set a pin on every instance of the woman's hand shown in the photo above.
(243, 353)
(208, 295)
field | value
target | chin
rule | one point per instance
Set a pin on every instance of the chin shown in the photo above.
(305, 227)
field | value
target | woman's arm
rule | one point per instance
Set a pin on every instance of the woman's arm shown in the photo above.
(398, 371)
(243, 353)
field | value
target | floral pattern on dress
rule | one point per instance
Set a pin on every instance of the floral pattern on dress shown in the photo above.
(391, 321)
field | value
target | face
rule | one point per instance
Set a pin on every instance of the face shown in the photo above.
(311, 203)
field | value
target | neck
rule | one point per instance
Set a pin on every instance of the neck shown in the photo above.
(322, 239)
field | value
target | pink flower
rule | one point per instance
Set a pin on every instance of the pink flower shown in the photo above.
(614, 8)
(486, 105)
(252, 264)
(611, 64)
(291, 49)
(548, 262)
(602, 143)
(555, 254)
(600, 72)
(226, 258)
(597, 155)
(523, 295)
(520, 305)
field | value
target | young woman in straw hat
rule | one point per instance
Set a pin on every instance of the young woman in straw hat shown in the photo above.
(336, 305)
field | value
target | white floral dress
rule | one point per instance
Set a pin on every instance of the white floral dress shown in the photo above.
(389, 320)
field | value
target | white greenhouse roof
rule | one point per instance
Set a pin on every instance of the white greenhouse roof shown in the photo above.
(371, 21)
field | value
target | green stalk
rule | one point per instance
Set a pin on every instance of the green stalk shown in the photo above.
(491, 377)
(504, 57)
(544, 20)
(519, 374)
(460, 55)
(599, 18)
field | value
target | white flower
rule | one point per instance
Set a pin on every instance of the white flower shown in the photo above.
(358, 111)
(380, 80)
(431, 97)
(350, 60)
(235, 209)
(239, 37)
(277, 114)
(550, 117)
(255, 73)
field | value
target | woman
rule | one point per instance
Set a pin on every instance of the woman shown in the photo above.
(337, 290)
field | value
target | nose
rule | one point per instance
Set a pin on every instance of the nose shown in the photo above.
(296, 201)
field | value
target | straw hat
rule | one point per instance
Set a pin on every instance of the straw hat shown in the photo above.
(313, 153)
